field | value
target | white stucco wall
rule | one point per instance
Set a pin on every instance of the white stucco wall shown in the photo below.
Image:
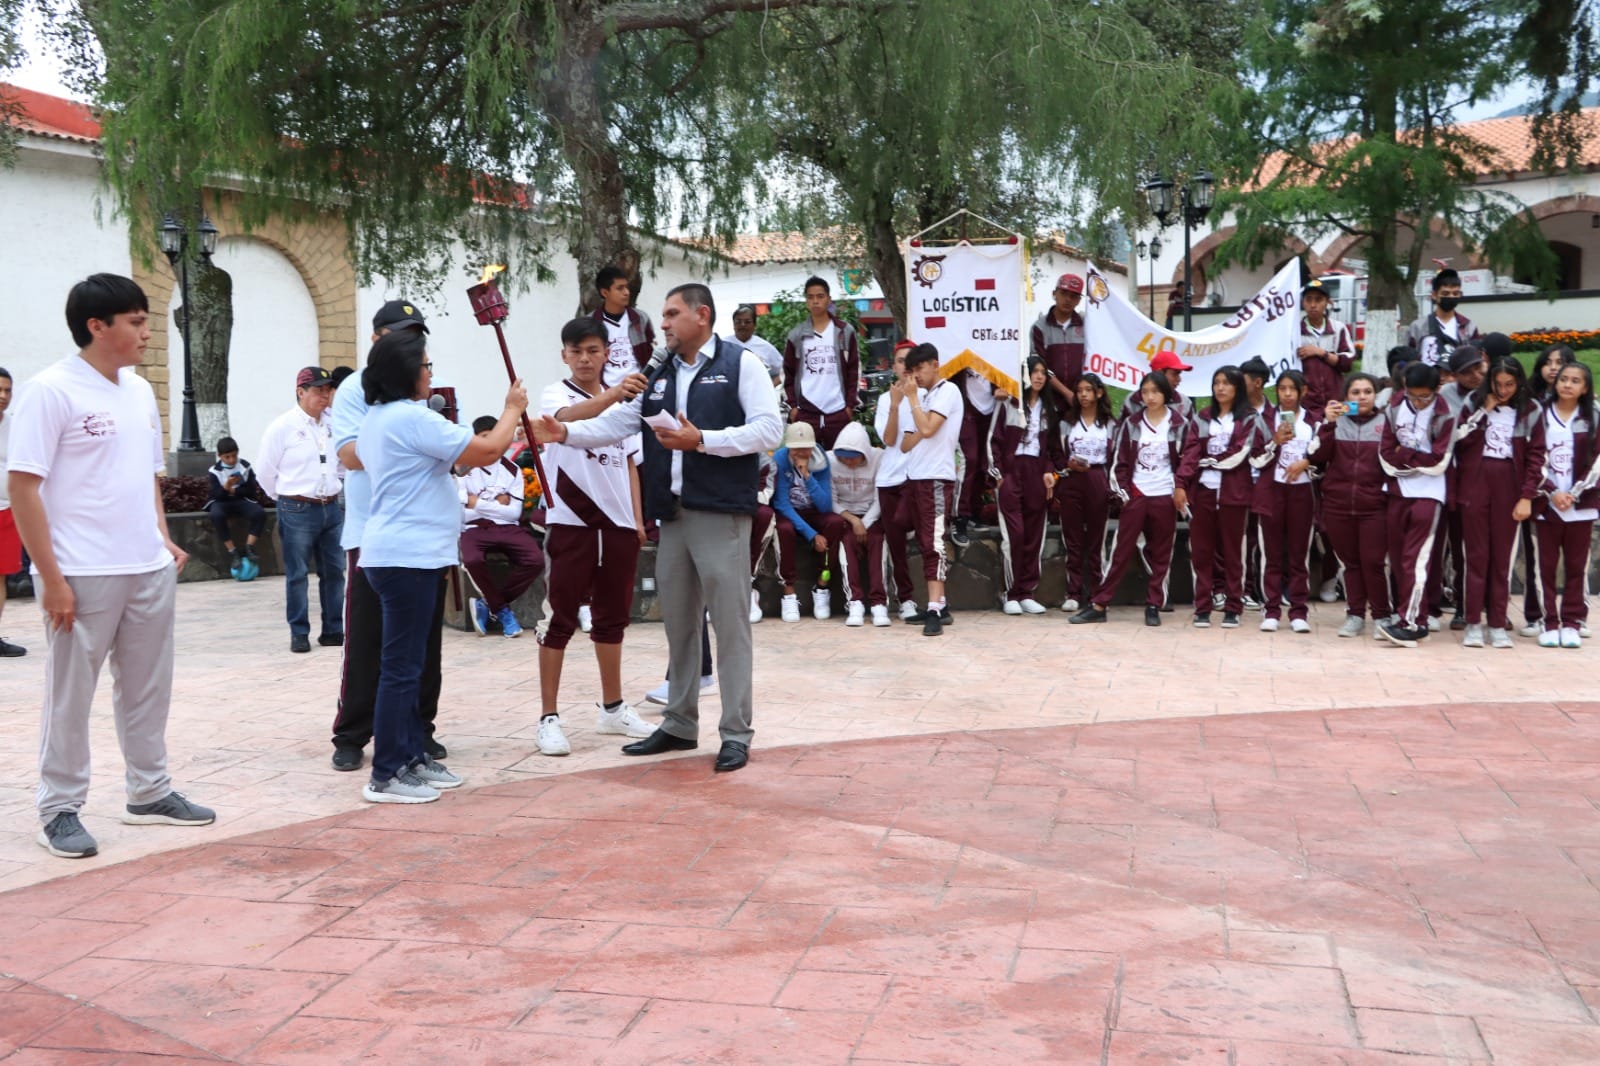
(48, 207)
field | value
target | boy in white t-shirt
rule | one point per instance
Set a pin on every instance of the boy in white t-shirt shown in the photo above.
(105, 566)
(930, 420)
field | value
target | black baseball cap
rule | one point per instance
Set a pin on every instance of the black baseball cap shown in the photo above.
(1314, 285)
(311, 377)
(397, 314)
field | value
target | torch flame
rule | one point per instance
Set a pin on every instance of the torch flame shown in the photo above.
(489, 272)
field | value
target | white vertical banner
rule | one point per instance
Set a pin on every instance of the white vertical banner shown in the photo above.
(1121, 341)
(968, 300)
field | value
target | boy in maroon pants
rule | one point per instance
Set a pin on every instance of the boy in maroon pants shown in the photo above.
(492, 524)
(932, 412)
(594, 529)
(1415, 454)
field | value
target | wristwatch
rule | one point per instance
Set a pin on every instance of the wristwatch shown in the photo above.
(700, 445)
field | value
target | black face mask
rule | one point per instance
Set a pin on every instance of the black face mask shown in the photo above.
(1447, 303)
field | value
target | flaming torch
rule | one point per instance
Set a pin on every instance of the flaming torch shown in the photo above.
(490, 308)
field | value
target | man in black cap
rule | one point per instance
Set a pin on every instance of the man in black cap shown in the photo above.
(296, 466)
(358, 679)
(1326, 349)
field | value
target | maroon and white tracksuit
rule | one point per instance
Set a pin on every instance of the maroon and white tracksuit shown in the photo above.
(1025, 446)
(1415, 454)
(1325, 380)
(1355, 508)
(1499, 460)
(888, 557)
(855, 493)
(1085, 497)
(1572, 464)
(1219, 503)
(978, 408)
(1061, 346)
(1285, 513)
(1150, 465)
(764, 523)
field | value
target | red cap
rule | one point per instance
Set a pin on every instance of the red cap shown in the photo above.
(1165, 360)
(1070, 283)
(904, 343)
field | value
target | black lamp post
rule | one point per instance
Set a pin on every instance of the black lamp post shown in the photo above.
(1194, 203)
(1154, 251)
(175, 245)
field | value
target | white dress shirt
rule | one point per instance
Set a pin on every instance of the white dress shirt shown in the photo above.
(762, 430)
(297, 458)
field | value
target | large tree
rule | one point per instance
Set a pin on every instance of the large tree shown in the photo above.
(1352, 129)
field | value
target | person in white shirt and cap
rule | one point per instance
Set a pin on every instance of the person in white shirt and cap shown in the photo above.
(297, 466)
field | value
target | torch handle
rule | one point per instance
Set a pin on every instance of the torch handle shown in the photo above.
(527, 426)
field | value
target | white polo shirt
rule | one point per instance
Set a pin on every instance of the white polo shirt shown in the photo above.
(934, 457)
(589, 486)
(97, 445)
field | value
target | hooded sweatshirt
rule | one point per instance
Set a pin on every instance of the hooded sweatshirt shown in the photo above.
(792, 493)
(856, 491)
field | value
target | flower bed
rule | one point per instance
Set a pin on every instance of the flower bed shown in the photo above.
(1537, 340)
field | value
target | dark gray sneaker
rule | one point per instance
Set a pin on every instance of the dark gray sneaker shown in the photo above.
(65, 836)
(171, 809)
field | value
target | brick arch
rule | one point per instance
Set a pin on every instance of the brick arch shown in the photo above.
(1580, 203)
(318, 249)
(1345, 243)
(1214, 240)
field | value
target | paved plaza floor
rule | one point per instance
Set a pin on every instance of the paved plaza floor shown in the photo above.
(1021, 842)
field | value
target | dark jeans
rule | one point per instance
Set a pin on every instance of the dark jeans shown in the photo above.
(408, 597)
(223, 510)
(310, 536)
(363, 646)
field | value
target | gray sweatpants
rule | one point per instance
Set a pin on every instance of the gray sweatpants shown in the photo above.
(130, 618)
(703, 564)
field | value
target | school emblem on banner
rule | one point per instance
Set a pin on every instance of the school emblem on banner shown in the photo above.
(968, 303)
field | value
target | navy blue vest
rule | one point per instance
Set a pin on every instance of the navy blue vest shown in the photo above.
(710, 482)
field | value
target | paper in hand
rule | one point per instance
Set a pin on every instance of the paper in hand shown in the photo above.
(662, 420)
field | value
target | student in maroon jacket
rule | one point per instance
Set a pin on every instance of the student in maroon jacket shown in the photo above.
(1284, 504)
(821, 366)
(1542, 387)
(1569, 501)
(1084, 489)
(1419, 429)
(1157, 455)
(1499, 463)
(1354, 506)
(1256, 374)
(1326, 349)
(1225, 436)
(630, 336)
(1025, 447)
(1057, 337)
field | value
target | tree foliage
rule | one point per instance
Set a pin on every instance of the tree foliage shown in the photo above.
(1352, 129)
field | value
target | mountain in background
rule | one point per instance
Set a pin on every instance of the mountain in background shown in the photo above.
(1589, 100)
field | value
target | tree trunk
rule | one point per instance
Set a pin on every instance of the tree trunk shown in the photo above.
(1385, 282)
(889, 267)
(211, 291)
(600, 234)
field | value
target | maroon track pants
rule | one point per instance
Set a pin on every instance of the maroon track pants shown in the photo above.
(593, 566)
(1085, 497)
(974, 430)
(932, 504)
(1216, 545)
(1157, 519)
(1286, 547)
(1489, 541)
(1361, 543)
(1563, 544)
(516, 543)
(896, 523)
(761, 531)
(1024, 510)
(831, 526)
(828, 426)
(856, 551)
(1414, 527)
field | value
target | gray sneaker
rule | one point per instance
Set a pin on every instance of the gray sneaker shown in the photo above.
(65, 836)
(1499, 638)
(435, 774)
(171, 809)
(404, 787)
(1473, 637)
(1352, 626)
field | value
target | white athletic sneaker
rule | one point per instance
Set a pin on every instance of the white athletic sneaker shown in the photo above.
(1329, 592)
(1218, 601)
(1531, 629)
(756, 613)
(1499, 638)
(1570, 638)
(855, 613)
(1473, 638)
(1269, 625)
(1378, 623)
(1032, 606)
(909, 610)
(708, 684)
(1434, 624)
(1549, 638)
(1070, 606)
(1352, 626)
(791, 608)
(552, 741)
(880, 615)
(623, 722)
(1250, 603)
(585, 618)
(658, 695)
(1583, 630)
(1299, 625)
(1012, 607)
(821, 604)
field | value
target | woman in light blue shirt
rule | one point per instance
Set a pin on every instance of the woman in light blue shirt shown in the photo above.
(410, 539)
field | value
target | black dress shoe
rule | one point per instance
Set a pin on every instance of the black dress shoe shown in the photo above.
(1088, 614)
(658, 742)
(732, 756)
(331, 640)
(300, 643)
(436, 751)
(347, 758)
(1152, 616)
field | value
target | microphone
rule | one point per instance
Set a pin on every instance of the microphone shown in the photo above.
(658, 359)
(436, 403)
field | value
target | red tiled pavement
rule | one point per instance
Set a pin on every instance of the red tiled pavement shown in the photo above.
(1396, 886)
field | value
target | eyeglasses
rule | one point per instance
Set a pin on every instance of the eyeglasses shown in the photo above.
(427, 366)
